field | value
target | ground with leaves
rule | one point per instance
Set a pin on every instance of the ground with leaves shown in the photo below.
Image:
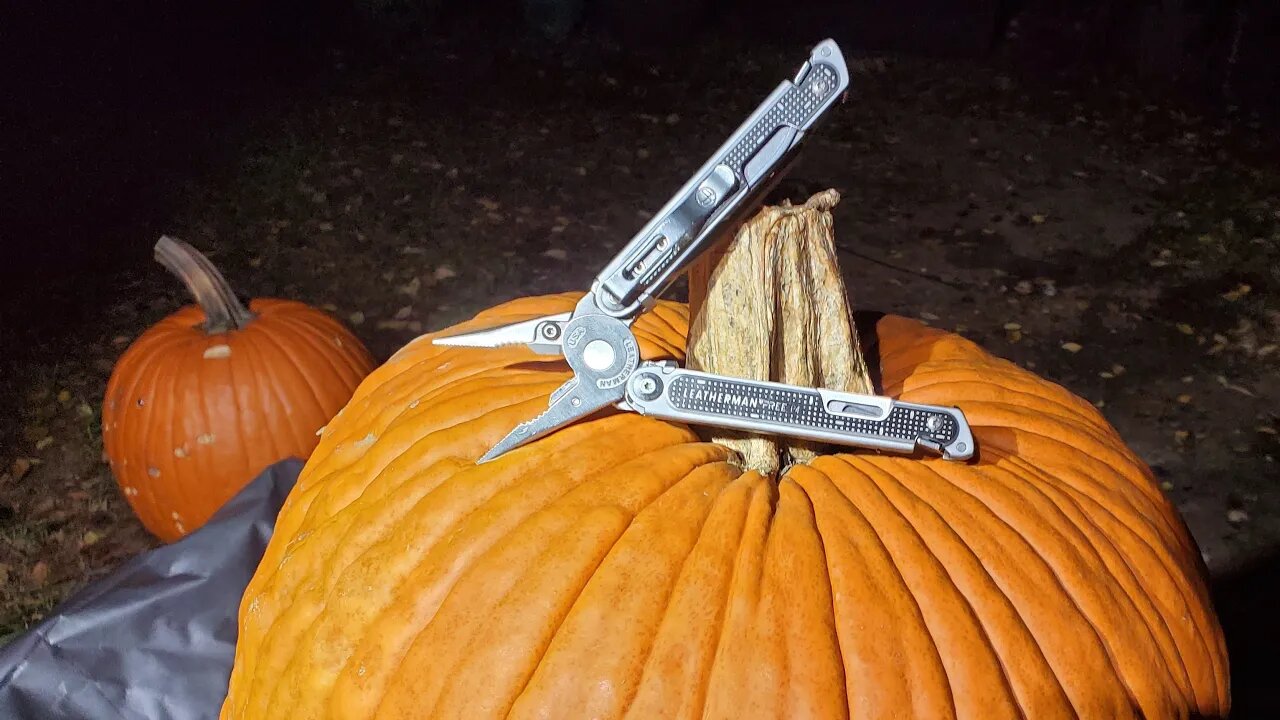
(1117, 245)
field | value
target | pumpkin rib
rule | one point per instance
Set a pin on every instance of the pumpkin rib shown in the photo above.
(272, 389)
(378, 543)
(171, 493)
(134, 431)
(652, 698)
(853, 532)
(691, 498)
(325, 332)
(403, 385)
(375, 544)
(949, 509)
(263, 383)
(954, 391)
(306, 334)
(1113, 560)
(906, 547)
(590, 504)
(297, 364)
(1088, 485)
(329, 497)
(1053, 574)
(395, 411)
(322, 327)
(1010, 637)
(300, 552)
(1108, 603)
(325, 492)
(985, 417)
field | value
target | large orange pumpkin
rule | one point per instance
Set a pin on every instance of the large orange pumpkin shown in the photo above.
(205, 399)
(623, 567)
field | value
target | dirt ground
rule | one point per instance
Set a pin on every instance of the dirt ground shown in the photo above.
(1109, 241)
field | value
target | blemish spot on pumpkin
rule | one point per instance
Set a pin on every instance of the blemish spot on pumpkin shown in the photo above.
(180, 452)
(206, 438)
(414, 404)
(175, 515)
(337, 341)
(321, 430)
(366, 441)
(217, 352)
(177, 525)
(360, 671)
(141, 402)
(153, 472)
(130, 490)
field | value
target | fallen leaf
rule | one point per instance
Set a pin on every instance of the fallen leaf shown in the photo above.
(1072, 347)
(20, 467)
(64, 396)
(556, 254)
(444, 272)
(1233, 295)
(90, 538)
(928, 316)
(1184, 398)
(404, 312)
(410, 288)
(1038, 219)
(1185, 329)
(356, 318)
(44, 442)
(40, 573)
(1236, 516)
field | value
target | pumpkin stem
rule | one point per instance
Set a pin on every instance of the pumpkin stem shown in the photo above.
(771, 305)
(223, 311)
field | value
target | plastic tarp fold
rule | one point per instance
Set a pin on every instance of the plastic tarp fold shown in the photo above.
(155, 639)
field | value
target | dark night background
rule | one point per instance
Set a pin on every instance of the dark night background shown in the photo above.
(1031, 173)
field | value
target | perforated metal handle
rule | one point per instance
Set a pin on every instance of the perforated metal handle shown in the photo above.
(735, 176)
(666, 391)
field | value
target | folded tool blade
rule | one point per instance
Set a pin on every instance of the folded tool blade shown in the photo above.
(542, 335)
(570, 402)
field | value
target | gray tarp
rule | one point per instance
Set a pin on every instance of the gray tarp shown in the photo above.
(155, 639)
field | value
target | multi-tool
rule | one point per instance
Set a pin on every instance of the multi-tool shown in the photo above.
(596, 338)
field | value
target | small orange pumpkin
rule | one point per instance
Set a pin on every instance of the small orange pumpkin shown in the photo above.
(212, 394)
(624, 567)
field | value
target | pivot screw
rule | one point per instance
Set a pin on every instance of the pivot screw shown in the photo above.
(550, 331)
(647, 387)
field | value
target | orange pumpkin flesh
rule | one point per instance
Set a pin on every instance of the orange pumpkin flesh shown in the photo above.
(621, 567)
(190, 416)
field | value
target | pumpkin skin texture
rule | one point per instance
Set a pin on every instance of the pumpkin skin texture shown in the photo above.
(620, 567)
(190, 417)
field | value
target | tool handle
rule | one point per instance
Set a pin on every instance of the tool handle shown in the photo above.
(666, 391)
(735, 179)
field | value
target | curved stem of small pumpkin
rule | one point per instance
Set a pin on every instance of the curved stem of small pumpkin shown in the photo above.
(223, 311)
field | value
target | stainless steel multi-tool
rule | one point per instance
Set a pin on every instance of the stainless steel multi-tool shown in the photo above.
(596, 339)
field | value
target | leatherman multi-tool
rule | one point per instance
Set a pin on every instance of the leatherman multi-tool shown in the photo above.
(596, 339)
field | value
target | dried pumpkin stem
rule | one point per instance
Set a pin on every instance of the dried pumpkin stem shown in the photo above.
(771, 305)
(223, 311)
